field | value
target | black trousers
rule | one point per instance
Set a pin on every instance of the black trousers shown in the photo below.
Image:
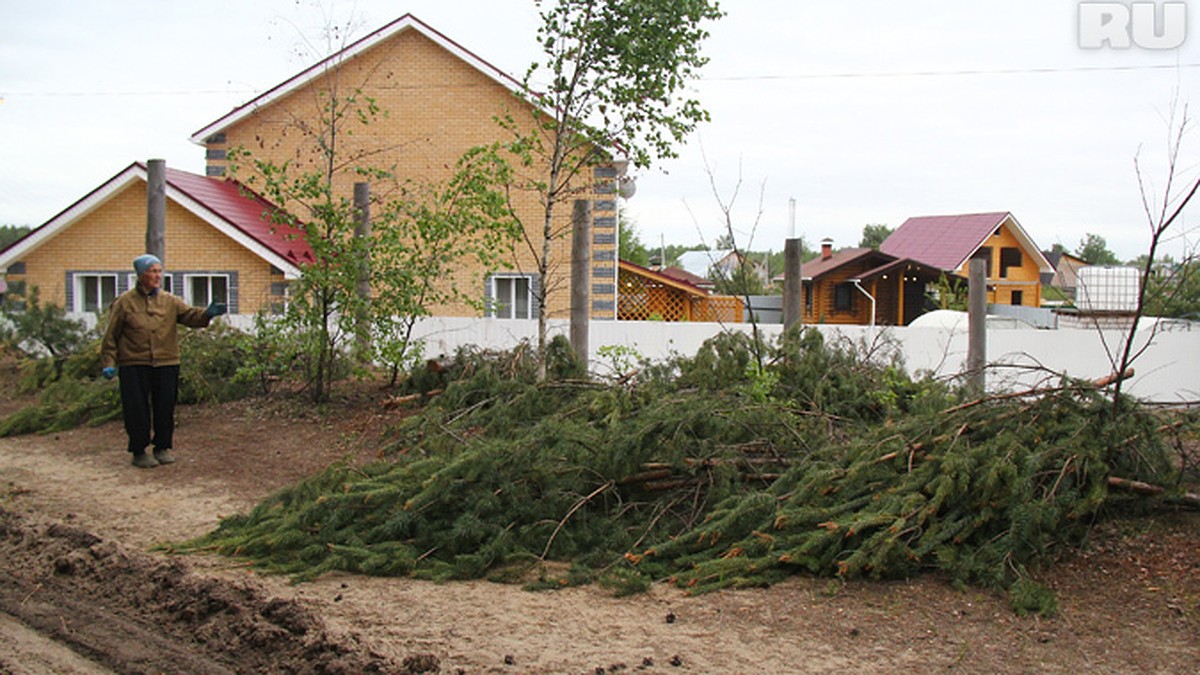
(148, 395)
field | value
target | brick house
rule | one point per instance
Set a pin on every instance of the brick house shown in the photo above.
(436, 100)
(219, 247)
(949, 243)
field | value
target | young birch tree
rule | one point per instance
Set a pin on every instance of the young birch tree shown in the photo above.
(422, 231)
(617, 71)
(1161, 217)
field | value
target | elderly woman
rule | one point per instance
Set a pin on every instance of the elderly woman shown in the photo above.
(142, 344)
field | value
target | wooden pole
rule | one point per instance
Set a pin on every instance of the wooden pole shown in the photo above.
(977, 326)
(580, 277)
(156, 208)
(793, 284)
(362, 233)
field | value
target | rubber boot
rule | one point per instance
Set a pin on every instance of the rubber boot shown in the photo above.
(143, 461)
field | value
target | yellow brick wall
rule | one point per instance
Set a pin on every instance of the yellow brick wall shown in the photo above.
(108, 239)
(433, 107)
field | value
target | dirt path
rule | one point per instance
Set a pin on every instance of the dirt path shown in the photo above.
(77, 525)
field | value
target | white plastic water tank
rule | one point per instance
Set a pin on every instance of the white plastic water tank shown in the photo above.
(1107, 289)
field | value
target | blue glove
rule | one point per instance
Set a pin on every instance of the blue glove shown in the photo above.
(215, 309)
(109, 373)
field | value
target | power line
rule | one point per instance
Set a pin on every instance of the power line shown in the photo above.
(729, 78)
(955, 73)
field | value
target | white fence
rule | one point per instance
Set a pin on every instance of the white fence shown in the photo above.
(1168, 371)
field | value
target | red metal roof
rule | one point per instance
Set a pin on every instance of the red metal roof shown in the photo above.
(247, 211)
(944, 242)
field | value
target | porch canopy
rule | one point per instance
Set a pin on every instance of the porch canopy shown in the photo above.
(901, 289)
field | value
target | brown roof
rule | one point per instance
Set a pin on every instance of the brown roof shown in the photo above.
(663, 278)
(817, 267)
(686, 277)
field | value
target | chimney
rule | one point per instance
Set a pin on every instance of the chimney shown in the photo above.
(826, 248)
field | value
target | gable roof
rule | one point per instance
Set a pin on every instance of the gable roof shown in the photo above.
(404, 23)
(946, 242)
(1056, 257)
(903, 264)
(817, 268)
(701, 263)
(664, 279)
(686, 277)
(232, 209)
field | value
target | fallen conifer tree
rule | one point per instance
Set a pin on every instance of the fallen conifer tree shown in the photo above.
(717, 471)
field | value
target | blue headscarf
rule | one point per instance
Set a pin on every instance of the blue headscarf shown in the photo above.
(143, 263)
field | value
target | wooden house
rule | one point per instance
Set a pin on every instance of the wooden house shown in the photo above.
(864, 286)
(1014, 263)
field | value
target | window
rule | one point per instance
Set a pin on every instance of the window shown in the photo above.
(511, 297)
(808, 298)
(1009, 257)
(166, 284)
(201, 289)
(94, 292)
(985, 254)
(1018, 297)
(843, 297)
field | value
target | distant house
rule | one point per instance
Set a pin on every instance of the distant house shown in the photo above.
(865, 286)
(1065, 274)
(679, 274)
(647, 295)
(221, 246)
(720, 264)
(1014, 263)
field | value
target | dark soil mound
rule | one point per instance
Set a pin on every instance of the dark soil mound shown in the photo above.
(136, 613)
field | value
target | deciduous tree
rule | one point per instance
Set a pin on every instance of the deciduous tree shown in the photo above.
(616, 73)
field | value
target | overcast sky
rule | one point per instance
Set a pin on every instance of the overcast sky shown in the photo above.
(862, 112)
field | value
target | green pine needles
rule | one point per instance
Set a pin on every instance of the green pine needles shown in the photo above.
(713, 472)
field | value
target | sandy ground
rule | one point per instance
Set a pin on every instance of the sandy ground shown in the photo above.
(1129, 604)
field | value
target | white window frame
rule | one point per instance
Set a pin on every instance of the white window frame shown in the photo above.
(510, 307)
(167, 284)
(80, 280)
(189, 296)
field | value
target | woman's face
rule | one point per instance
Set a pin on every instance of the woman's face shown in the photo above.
(151, 279)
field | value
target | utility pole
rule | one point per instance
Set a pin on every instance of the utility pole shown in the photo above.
(793, 283)
(976, 326)
(581, 254)
(156, 208)
(362, 286)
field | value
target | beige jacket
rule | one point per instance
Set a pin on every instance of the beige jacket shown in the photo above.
(143, 329)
